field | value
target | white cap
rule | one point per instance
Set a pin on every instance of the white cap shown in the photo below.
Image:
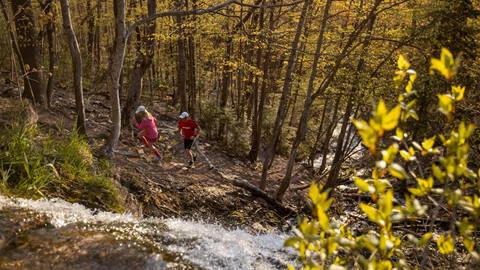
(140, 108)
(183, 115)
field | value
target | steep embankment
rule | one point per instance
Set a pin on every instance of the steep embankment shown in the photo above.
(167, 189)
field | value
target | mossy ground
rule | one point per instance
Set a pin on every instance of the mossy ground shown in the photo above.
(35, 164)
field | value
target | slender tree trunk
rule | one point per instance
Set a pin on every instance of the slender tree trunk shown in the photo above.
(98, 40)
(25, 24)
(49, 11)
(13, 41)
(143, 62)
(281, 113)
(115, 70)
(328, 136)
(226, 80)
(181, 64)
(77, 65)
(302, 125)
(314, 148)
(332, 180)
(91, 29)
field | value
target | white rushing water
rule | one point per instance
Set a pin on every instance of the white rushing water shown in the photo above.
(205, 245)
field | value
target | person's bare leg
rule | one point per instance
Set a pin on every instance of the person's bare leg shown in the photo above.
(190, 155)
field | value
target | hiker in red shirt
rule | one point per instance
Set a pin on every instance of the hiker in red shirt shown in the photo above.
(189, 130)
(147, 124)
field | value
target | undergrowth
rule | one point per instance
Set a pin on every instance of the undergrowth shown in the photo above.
(35, 165)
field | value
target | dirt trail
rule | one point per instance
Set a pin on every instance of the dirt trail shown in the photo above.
(167, 188)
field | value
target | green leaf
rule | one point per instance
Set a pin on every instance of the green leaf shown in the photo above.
(469, 244)
(385, 203)
(445, 103)
(314, 193)
(371, 212)
(402, 63)
(323, 219)
(437, 172)
(445, 244)
(425, 238)
(458, 92)
(397, 171)
(368, 134)
(292, 241)
(427, 144)
(362, 184)
(390, 120)
(446, 65)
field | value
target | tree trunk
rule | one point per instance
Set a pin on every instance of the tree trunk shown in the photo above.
(226, 79)
(287, 86)
(143, 62)
(77, 65)
(332, 180)
(328, 137)
(313, 149)
(302, 125)
(25, 24)
(181, 65)
(115, 70)
(49, 11)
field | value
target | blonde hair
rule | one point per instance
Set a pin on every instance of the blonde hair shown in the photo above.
(145, 114)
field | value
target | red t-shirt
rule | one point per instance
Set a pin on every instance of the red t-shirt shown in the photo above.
(188, 127)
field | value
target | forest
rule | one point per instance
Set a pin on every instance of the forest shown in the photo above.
(326, 134)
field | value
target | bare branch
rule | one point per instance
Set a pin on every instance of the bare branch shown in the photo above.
(171, 13)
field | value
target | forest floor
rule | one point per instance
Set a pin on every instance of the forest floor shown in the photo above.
(170, 189)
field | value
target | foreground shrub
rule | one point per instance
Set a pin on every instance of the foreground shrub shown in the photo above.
(442, 193)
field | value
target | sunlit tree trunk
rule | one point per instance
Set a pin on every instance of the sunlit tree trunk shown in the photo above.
(287, 86)
(332, 179)
(302, 126)
(115, 69)
(77, 65)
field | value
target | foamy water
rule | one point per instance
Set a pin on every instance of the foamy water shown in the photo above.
(204, 245)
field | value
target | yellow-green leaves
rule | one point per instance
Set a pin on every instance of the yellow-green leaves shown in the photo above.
(427, 145)
(322, 203)
(388, 120)
(383, 120)
(447, 66)
(457, 92)
(397, 171)
(363, 185)
(403, 63)
(370, 211)
(408, 155)
(403, 70)
(445, 104)
(423, 187)
(445, 244)
(367, 133)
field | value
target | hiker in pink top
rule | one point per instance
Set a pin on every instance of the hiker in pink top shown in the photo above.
(147, 124)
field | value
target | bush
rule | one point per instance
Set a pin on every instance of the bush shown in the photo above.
(33, 165)
(234, 136)
(444, 183)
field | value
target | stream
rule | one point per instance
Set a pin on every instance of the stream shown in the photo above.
(54, 234)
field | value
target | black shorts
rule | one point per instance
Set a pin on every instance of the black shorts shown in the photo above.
(187, 144)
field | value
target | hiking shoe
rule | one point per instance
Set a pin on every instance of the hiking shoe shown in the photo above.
(190, 163)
